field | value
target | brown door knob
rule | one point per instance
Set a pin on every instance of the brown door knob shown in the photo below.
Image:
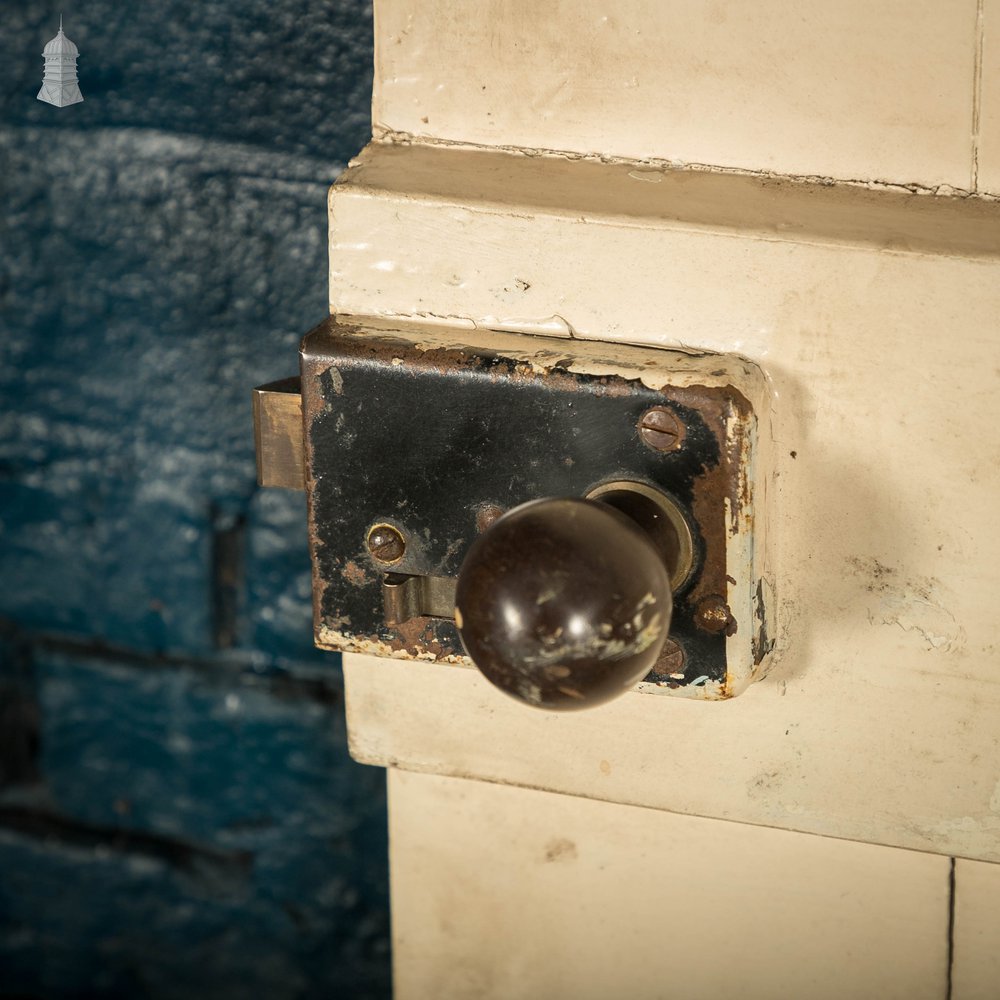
(564, 603)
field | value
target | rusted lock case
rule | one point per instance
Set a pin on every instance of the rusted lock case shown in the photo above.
(425, 428)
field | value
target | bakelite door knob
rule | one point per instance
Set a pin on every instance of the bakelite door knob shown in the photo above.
(564, 603)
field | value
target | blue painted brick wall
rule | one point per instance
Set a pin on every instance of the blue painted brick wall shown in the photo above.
(178, 813)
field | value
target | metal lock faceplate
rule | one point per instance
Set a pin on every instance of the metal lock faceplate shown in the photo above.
(432, 431)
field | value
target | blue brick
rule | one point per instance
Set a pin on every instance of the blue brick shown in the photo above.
(219, 765)
(164, 248)
(127, 413)
(293, 75)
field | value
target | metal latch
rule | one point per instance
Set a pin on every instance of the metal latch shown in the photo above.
(277, 424)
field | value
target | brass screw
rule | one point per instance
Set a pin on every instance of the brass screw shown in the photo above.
(660, 429)
(671, 659)
(386, 543)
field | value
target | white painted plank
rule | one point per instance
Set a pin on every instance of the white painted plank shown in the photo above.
(851, 90)
(507, 892)
(976, 968)
(881, 718)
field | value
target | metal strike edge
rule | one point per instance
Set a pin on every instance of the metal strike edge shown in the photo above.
(278, 434)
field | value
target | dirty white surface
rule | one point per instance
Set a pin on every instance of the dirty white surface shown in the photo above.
(849, 90)
(976, 973)
(509, 892)
(874, 313)
(825, 757)
(881, 719)
(986, 119)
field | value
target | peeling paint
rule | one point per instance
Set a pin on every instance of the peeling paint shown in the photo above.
(910, 604)
(936, 625)
(340, 642)
(548, 326)
(384, 135)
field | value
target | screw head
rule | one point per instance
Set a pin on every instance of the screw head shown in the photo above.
(386, 543)
(660, 428)
(487, 515)
(671, 660)
(712, 615)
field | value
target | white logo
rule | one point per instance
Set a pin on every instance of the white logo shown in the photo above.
(59, 86)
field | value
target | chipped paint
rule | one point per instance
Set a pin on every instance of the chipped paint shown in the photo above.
(936, 625)
(341, 642)
(548, 326)
(707, 690)
(912, 604)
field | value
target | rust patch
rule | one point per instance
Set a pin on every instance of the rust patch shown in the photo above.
(713, 615)
(417, 636)
(719, 485)
(351, 342)
(355, 575)
(308, 377)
